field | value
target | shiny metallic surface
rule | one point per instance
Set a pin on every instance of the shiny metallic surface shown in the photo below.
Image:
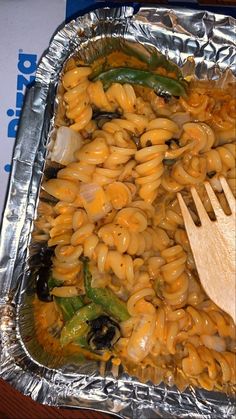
(178, 34)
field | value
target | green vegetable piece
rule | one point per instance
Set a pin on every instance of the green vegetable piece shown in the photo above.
(77, 326)
(111, 304)
(160, 84)
(82, 340)
(52, 283)
(69, 305)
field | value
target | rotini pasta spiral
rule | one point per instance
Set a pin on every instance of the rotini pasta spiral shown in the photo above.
(77, 103)
(176, 282)
(123, 96)
(98, 97)
(205, 366)
(168, 216)
(117, 96)
(81, 94)
(166, 333)
(121, 265)
(201, 134)
(221, 159)
(66, 264)
(158, 131)
(119, 162)
(134, 123)
(125, 241)
(191, 170)
(149, 171)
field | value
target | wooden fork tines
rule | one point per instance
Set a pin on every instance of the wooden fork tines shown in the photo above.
(213, 245)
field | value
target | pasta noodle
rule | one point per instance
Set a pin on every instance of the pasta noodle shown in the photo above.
(174, 277)
(116, 204)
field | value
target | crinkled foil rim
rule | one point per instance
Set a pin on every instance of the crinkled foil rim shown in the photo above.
(178, 34)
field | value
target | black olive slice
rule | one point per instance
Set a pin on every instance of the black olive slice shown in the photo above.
(42, 288)
(104, 333)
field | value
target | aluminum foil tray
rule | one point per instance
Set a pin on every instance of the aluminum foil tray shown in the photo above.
(178, 34)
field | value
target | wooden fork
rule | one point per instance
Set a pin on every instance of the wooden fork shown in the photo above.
(213, 245)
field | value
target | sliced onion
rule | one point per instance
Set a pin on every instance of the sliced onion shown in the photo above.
(180, 118)
(142, 338)
(66, 143)
(95, 201)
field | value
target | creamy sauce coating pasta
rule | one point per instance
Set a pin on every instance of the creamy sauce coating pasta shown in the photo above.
(131, 227)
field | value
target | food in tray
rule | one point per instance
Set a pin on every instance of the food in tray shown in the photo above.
(118, 279)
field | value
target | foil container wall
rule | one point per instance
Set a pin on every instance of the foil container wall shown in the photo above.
(177, 34)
